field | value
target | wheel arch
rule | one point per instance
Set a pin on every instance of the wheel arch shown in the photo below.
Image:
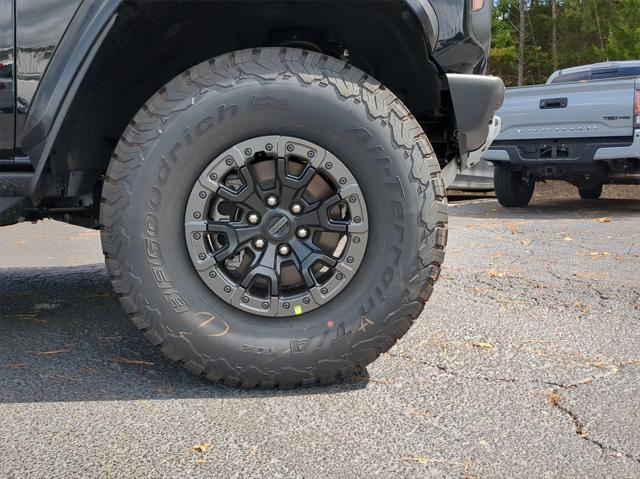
(99, 76)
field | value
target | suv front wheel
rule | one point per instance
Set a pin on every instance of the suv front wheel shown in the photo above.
(274, 218)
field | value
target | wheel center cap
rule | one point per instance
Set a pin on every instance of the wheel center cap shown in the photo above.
(277, 226)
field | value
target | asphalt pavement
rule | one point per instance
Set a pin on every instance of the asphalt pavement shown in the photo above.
(525, 363)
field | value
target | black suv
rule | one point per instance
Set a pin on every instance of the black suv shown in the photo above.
(272, 211)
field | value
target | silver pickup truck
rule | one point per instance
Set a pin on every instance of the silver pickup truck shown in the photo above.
(583, 127)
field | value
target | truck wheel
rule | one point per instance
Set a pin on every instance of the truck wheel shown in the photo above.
(512, 188)
(274, 218)
(592, 193)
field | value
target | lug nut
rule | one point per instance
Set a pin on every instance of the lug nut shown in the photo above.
(302, 232)
(296, 208)
(253, 218)
(259, 243)
(272, 201)
(284, 250)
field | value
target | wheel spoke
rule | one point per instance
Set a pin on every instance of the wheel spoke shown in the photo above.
(247, 195)
(263, 265)
(290, 181)
(306, 256)
(238, 195)
(237, 237)
(311, 260)
(318, 218)
(292, 187)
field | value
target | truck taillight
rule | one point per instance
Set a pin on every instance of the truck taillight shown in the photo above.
(477, 5)
(636, 108)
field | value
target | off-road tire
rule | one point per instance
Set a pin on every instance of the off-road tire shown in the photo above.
(512, 189)
(260, 92)
(592, 193)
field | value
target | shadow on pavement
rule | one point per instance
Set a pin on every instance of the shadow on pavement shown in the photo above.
(65, 337)
(454, 196)
(542, 209)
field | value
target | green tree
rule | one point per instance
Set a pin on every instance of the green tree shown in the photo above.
(583, 32)
(504, 51)
(624, 31)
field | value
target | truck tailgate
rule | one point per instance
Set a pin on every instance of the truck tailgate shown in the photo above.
(569, 110)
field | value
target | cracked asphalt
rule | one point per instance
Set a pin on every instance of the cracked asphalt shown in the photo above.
(525, 363)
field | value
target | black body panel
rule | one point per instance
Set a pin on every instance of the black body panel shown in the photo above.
(463, 37)
(57, 41)
(40, 25)
(62, 78)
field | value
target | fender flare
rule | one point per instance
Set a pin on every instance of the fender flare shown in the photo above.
(71, 60)
(428, 19)
(61, 80)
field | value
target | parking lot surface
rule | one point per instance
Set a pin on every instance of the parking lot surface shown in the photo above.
(525, 363)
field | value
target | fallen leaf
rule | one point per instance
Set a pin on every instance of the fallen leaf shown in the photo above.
(427, 460)
(170, 390)
(598, 253)
(53, 353)
(485, 346)
(421, 412)
(132, 361)
(554, 398)
(380, 381)
(604, 220)
(15, 366)
(602, 365)
(46, 306)
(590, 276)
(201, 448)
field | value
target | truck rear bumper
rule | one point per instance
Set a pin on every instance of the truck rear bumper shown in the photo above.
(573, 151)
(620, 152)
(598, 160)
(475, 99)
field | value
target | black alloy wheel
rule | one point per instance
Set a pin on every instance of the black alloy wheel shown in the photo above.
(276, 226)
